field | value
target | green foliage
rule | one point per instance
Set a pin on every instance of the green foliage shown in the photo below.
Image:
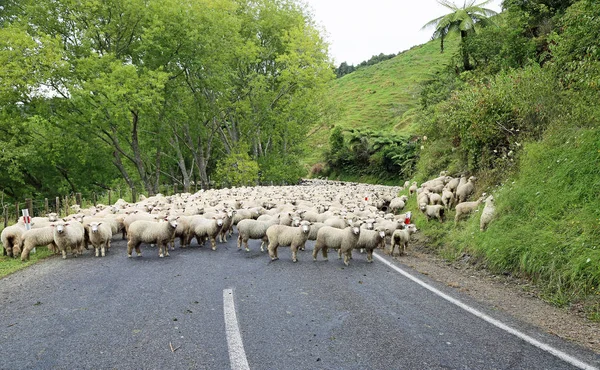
(487, 121)
(237, 169)
(345, 69)
(380, 155)
(280, 169)
(9, 265)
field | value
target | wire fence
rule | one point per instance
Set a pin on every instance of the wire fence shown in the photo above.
(62, 205)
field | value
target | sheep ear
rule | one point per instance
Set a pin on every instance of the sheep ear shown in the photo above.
(67, 224)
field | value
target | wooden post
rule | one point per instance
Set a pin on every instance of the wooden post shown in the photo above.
(133, 195)
(174, 189)
(29, 205)
(94, 199)
(46, 207)
(57, 206)
(5, 216)
(120, 193)
(109, 196)
(17, 210)
(66, 204)
(78, 199)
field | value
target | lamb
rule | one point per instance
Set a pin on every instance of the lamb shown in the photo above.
(159, 233)
(371, 239)
(401, 238)
(413, 188)
(35, 238)
(69, 235)
(100, 234)
(203, 228)
(465, 208)
(294, 236)
(344, 239)
(11, 238)
(435, 211)
(254, 229)
(464, 191)
(488, 213)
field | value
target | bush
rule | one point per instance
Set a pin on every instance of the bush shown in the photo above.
(237, 169)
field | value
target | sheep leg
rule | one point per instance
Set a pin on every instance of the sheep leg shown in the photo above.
(369, 255)
(347, 257)
(272, 249)
(97, 250)
(294, 253)
(262, 243)
(160, 250)
(103, 250)
(64, 253)
(213, 243)
(246, 245)
(239, 242)
(324, 252)
(315, 251)
(137, 250)
(339, 253)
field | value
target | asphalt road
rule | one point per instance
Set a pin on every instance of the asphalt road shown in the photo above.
(168, 313)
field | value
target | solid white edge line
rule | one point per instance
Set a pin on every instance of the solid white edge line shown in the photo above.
(237, 355)
(563, 356)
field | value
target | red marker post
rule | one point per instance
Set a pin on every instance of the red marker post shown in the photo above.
(407, 217)
(27, 222)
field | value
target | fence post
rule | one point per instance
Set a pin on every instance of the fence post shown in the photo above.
(78, 199)
(5, 216)
(17, 209)
(109, 196)
(66, 204)
(174, 189)
(57, 206)
(46, 207)
(133, 195)
(120, 193)
(29, 206)
(94, 198)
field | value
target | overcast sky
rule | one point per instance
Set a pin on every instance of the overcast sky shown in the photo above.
(357, 30)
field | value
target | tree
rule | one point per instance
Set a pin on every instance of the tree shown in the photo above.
(461, 20)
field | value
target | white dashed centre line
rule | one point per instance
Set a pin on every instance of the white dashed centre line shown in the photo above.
(237, 355)
(534, 342)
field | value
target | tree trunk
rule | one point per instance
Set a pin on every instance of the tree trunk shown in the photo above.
(465, 54)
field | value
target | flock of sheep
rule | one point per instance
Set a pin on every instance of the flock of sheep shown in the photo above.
(337, 215)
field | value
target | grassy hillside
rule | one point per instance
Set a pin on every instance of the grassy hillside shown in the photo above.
(382, 96)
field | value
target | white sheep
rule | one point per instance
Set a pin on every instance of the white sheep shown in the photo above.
(466, 208)
(401, 238)
(69, 235)
(314, 229)
(11, 239)
(254, 229)
(397, 204)
(159, 233)
(36, 238)
(447, 198)
(331, 237)
(203, 228)
(369, 240)
(488, 213)
(100, 234)
(413, 188)
(464, 191)
(282, 235)
(435, 211)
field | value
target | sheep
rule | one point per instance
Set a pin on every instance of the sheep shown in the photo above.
(100, 234)
(203, 228)
(413, 188)
(465, 208)
(401, 238)
(294, 236)
(464, 191)
(337, 222)
(434, 211)
(447, 198)
(314, 229)
(488, 213)
(69, 235)
(369, 240)
(11, 238)
(330, 237)
(254, 229)
(37, 237)
(159, 233)
(397, 204)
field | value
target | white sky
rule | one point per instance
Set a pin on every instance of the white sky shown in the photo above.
(357, 30)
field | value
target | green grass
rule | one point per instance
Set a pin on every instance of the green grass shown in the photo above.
(384, 96)
(547, 224)
(9, 265)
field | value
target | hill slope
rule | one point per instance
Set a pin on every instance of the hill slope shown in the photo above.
(382, 96)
